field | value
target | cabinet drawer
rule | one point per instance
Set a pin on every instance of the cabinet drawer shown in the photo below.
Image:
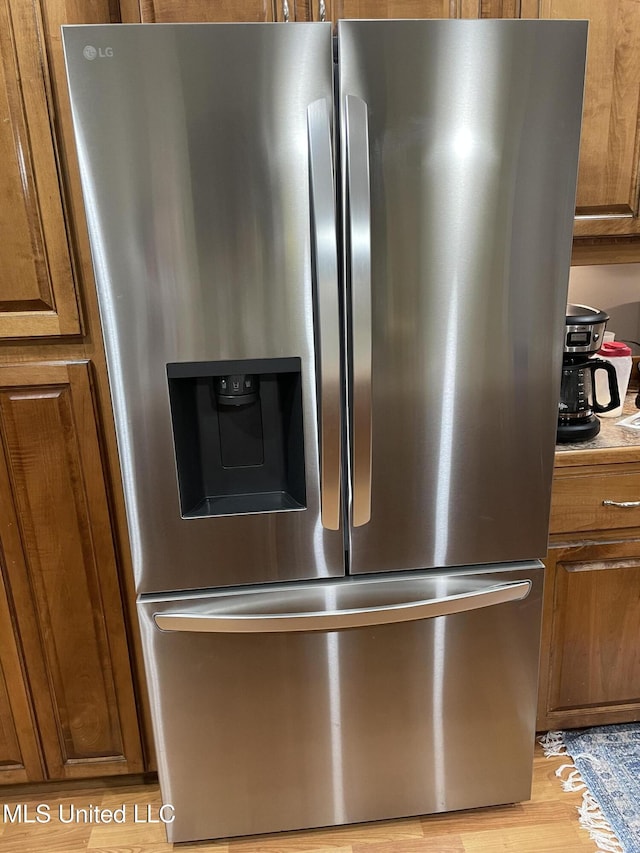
(578, 502)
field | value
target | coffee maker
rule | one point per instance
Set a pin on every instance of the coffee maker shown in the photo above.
(583, 336)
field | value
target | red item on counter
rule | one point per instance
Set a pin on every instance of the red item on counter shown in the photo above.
(614, 349)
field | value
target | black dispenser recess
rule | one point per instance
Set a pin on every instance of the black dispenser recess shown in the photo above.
(238, 436)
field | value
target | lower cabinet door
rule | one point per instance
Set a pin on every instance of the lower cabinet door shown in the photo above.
(590, 668)
(61, 569)
(19, 752)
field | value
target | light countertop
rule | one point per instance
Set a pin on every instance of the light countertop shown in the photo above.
(611, 437)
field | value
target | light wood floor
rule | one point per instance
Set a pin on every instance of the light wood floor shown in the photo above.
(546, 824)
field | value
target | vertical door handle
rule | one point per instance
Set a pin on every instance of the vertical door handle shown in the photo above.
(325, 267)
(285, 11)
(322, 11)
(359, 269)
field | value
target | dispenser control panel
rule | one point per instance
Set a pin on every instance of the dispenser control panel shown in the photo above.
(236, 389)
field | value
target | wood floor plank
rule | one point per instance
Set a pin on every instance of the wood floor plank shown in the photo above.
(200, 847)
(524, 841)
(315, 841)
(52, 838)
(449, 843)
(291, 846)
(55, 835)
(128, 834)
(499, 818)
(144, 848)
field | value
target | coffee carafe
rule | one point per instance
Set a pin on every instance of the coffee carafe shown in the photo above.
(584, 335)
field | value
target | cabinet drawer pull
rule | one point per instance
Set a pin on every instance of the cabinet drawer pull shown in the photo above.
(623, 504)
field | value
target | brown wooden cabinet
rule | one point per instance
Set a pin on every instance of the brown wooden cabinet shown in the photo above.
(71, 695)
(591, 657)
(590, 666)
(19, 752)
(61, 571)
(172, 11)
(608, 188)
(336, 9)
(37, 290)
(180, 11)
(608, 197)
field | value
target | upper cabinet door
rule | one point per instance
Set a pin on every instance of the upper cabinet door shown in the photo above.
(336, 9)
(37, 294)
(178, 11)
(608, 179)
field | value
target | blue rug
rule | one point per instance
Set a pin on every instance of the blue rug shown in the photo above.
(607, 759)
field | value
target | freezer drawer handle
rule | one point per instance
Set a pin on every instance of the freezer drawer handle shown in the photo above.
(359, 238)
(280, 623)
(623, 504)
(325, 266)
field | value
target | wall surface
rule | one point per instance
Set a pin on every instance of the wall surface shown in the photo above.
(615, 289)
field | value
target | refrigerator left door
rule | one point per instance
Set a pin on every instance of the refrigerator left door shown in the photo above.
(206, 165)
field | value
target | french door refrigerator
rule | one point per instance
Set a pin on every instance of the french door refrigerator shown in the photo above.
(332, 291)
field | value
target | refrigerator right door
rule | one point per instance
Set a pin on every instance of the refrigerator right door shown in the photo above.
(459, 148)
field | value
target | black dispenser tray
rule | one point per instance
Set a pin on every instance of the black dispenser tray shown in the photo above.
(238, 436)
(244, 504)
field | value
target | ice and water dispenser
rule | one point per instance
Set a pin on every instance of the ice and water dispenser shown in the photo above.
(238, 436)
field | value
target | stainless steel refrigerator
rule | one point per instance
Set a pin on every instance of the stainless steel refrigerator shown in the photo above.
(332, 278)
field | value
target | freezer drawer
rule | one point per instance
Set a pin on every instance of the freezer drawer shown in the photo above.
(264, 721)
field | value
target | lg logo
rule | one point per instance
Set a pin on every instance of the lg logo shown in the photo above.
(90, 52)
